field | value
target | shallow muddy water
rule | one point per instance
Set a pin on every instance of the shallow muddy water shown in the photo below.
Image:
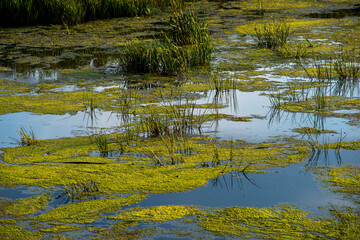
(264, 106)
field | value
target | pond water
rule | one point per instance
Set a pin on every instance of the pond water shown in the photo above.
(258, 120)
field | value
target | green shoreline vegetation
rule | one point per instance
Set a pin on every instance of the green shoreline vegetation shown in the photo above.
(70, 12)
(170, 58)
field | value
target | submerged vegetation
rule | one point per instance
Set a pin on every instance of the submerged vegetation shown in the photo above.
(166, 109)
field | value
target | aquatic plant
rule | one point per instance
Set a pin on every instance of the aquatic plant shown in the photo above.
(169, 56)
(27, 137)
(186, 28)
(320, 98)
(175, 119)
(346, 65)
(299, 50)
(271, 34)
(80, 190)
(102, 142)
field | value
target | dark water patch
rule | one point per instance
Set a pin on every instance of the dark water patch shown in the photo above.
(19, 192)
(282, 185)
(337, 13)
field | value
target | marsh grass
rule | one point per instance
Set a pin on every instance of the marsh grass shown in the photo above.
(298, 50)
(346, 66)
(81, 190)
(175, 53)
(320, 98)
(70, 12)
(272, 34)
(90, 105)
(26, 137)
(342, 66)
(102, 142)
(186, 29)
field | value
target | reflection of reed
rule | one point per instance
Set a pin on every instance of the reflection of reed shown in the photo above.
(322, 157)
(232, 180)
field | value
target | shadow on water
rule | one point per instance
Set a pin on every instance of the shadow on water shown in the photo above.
(338, 13)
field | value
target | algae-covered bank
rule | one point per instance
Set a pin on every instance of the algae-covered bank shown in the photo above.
(180, 120)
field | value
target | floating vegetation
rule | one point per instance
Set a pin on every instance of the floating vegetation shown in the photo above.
(26, 206)
(170, 123)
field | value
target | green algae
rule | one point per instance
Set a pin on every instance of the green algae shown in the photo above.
(282, 222)
(55, 163)
(88, 211)
(68, 161)
(61, 228)
(345, 179)
(16, 232)
(156, 214)
(27, 206)
(311, 130)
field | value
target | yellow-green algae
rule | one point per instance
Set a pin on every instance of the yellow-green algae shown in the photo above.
(61, 228)
(331, 104)
(67, 161)
(343, 178)
(88, 211)
(281, 222)
(311, 130)
(156, 214)
(13, 232)
(27, 206)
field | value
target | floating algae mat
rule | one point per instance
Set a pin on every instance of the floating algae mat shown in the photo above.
(262, 142)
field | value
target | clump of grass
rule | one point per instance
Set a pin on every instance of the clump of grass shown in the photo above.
(186, 28)
(342, 66)
(346, 66)
(81, 190)
(173, 119)
(299, 50)
(272, 34)
(320, 98)
(141, 57)
(169, 56)
(102, 142)
(26, 137)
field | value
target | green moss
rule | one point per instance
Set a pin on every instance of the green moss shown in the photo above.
(282, 222)
(12, 232)
(27, 206)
